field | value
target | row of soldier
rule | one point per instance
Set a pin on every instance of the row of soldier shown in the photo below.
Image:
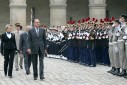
(118, 47)
(90, 43)
(79, 44)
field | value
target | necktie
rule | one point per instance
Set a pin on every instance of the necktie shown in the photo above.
(37, 32)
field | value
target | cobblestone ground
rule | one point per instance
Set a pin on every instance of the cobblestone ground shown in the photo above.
(60, 72)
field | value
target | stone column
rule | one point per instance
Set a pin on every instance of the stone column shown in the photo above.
(18, 12)
(97, 8)
(58, 12)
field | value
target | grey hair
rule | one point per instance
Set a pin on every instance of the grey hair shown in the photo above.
(28, 26)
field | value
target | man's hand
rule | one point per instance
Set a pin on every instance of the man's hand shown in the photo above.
(45, 53)
(29, 51)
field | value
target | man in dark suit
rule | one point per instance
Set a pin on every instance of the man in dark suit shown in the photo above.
(37, 46)
(23, 49)
(8, 48)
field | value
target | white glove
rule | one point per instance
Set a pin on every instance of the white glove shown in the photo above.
(118, 34)
(88, 34)
(124, 37)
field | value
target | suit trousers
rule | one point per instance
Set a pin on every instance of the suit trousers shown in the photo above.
(27, 61)
(8, 61)
(17, 63)
(34, 58)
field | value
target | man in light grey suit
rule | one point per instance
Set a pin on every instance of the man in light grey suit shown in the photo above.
(23, 49)
(37, 46)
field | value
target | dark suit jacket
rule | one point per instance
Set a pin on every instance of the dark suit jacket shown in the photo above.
(23, 42)
(35, 43)
(7, 43)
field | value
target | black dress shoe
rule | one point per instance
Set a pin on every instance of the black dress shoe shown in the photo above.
(5, 75)
(17, 69)
(21, 67)
(35, 78)
(10, 76)
(27, 73)
(42, 78)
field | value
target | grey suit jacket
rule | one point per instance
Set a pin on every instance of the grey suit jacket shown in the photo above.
(23, 42)
(35, 43)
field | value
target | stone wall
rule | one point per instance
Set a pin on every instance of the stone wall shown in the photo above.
(77, 9)
(116, 7)
(41, 9)
(4, 14)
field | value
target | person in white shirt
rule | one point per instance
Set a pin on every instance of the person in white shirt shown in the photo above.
(121, 44)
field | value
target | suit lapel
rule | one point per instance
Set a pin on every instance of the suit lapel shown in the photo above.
(34, 31)
(25, 35)
(40, 32)
(6, 35)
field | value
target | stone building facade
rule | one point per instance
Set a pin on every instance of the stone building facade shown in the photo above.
(57, 12)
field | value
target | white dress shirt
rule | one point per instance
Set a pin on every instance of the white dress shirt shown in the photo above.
(8, 35)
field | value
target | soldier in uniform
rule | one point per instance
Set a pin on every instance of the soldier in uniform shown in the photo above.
(115, 47)
(92, 44)
(74, 56)
(99, 43)
(104, 47)
(125, 39)
(121, 44)
(111, 57)
(81, 44)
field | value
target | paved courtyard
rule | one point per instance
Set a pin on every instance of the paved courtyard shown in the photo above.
(60, 72)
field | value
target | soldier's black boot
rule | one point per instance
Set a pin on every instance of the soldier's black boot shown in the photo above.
(111, 70)
(123, 73)
(117, 71)
(125, 77)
